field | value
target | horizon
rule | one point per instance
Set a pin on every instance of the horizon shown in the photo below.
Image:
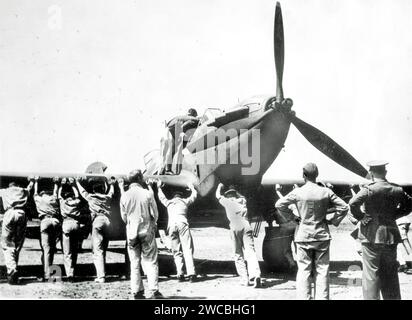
(98, 85)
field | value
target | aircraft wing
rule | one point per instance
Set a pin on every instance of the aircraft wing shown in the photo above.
(49, 175)
(95, 170)
(343, 188)
(20, 178)
(274, 181)
(337, 183)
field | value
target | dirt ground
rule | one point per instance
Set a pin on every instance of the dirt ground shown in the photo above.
(213, 262)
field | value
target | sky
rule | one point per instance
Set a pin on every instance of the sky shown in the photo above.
(85, 81)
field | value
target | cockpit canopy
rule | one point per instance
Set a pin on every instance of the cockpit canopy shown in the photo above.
(210, 115)
(217, 117)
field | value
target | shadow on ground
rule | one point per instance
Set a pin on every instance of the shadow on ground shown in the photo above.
(206, 269)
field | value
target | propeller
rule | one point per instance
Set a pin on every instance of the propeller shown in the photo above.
(317, 138)
(279, 50)
(329, 147)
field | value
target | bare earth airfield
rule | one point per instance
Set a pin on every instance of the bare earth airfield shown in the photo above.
(213, 259)
(346, 69)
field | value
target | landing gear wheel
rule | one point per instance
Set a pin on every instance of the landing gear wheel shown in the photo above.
(276, 249)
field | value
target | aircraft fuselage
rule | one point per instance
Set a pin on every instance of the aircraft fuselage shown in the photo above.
(238, 151)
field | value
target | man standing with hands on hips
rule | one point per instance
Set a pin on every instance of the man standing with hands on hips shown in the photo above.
(312, 236)
(384, 202)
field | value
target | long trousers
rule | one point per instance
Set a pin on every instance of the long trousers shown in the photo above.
(143, 251)
(312, 260)
(179, 153)
(166, 150)
(12, 237)
(404, 248)
(380, 272)
(49, 231)
(71, 238)
(100, 230)
(244, 252)
(182, 247)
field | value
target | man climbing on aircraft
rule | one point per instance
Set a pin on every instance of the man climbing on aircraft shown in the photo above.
(178, 230)
(312, 238)
(100, 204)
(177, 132)
(14, 225)
(48, 209)
(241, 234)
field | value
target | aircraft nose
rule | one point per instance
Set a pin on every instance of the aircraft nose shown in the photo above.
(287, 104)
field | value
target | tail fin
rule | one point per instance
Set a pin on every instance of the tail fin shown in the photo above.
(96, 167)
(152, 162)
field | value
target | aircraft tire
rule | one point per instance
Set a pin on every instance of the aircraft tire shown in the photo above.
(276, 248)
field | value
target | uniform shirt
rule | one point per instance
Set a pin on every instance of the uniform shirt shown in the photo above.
(236, 211)
(313, 203)
(47, 206)
(177, 207)
(384, 202)
(138, 210)
(99, 204)
(70, 208)
(14, 197)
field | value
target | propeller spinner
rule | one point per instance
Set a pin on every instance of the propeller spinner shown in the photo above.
(317, 138)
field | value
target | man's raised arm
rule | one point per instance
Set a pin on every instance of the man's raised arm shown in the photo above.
(219, 191)
(111, 182)
(193, 194)
(120, 182)
(160, 193)
(72, 183)
(82, 191)
(56, 186)
(153, 209)
(31, 183)
(36, 186)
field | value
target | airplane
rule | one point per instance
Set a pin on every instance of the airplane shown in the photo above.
(216, 153)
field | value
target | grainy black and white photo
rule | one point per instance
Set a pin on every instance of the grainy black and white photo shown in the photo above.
(205, 150)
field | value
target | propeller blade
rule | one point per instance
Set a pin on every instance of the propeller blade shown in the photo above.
(329, 147)
(279, 50)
